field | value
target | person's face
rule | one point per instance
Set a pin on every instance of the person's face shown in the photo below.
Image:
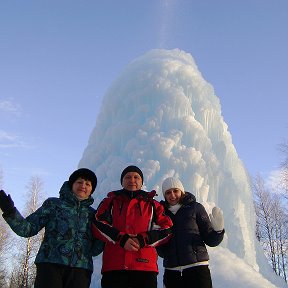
(82, 188)
(132, 181)
(173, 196)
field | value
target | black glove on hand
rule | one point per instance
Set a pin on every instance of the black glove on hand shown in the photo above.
(141, 240)
(6, 203)
(123, 239)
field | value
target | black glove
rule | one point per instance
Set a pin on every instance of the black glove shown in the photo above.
(123, 239)
(6, 203)
(141, 240)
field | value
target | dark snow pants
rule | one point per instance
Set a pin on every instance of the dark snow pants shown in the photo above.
(60, 276)
(195, 277)
(129, 279)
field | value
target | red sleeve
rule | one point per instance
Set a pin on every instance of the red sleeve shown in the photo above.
(162, 234)
(102, 227)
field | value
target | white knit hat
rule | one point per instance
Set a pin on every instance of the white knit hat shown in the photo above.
(172, 182)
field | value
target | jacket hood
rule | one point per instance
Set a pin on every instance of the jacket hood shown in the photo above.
(67, 195)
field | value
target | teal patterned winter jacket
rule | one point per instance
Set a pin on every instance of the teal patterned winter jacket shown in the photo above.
(67, 221)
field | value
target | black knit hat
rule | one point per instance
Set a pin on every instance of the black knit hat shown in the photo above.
(131, 168)
(83, 173)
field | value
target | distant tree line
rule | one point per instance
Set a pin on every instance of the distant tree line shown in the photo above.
(270, 203)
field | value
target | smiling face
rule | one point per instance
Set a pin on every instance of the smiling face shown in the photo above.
(132, 181)
(173, 196)
(82, 188)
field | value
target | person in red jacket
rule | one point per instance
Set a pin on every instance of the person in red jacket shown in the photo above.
(124, 221)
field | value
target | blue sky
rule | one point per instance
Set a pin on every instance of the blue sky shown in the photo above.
(58, 58)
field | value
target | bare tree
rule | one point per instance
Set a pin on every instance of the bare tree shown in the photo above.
(284, 167)
(5, 243)
(271, 226)
(26, 270)
(264, 225)
(279, 216)
(283, 147)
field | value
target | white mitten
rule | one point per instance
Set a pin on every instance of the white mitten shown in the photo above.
(217, 219)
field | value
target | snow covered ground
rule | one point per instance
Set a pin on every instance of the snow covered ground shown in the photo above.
(227, 270)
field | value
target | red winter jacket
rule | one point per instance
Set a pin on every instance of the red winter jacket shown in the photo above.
(126, 212)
